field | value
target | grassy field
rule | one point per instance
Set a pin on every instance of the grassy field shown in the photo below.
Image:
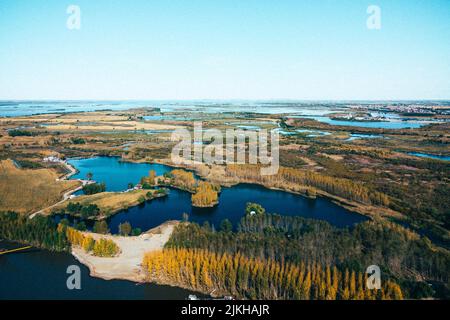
(26, 191)
(109, 202)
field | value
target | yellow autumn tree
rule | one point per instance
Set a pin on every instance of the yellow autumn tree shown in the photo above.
(105, 248)
(101, 247)
(243, 277)
(206, 195)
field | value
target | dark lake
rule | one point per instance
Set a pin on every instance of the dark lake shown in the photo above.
(232, 201)
(40, 274)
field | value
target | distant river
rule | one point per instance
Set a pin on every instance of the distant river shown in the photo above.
(431, 156)
(196, 107)
(369, 124)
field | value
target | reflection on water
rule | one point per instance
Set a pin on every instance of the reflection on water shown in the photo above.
(232, 201)
(113, 172)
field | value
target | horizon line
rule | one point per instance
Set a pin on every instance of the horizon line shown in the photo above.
(227, 99)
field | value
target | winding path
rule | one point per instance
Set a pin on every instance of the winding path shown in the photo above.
(66, 195)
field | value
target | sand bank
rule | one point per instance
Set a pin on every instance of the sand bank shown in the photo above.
(127, 265)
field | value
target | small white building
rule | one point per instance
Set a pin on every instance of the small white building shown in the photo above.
(53, 159)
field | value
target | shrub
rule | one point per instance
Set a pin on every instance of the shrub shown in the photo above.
(125, 229)
(101, 227)
(254, 207)
(94, 188)
(105, 248)
(136, 232)
(19, 133)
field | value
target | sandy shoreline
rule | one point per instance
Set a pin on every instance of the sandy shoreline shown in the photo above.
(127, 265)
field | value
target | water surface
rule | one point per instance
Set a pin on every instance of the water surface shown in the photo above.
(430, 156)
(232, 201)
(369, 124)
(27, 108)
(232, 204)
(357, 136)
(313, 133)
(41, 274)
(114, 173)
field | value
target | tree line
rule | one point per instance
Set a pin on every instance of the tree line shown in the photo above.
(84, 211)
(20, 133)
(250, 278)
(40, 231)
(43, 232)
(285, 177)
(401, 254)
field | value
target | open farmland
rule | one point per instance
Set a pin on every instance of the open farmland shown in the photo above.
(26, 191)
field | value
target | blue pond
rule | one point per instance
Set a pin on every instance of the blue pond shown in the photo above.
(232, 200)
(113, 172)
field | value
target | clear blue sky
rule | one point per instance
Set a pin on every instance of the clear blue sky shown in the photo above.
(224, 49)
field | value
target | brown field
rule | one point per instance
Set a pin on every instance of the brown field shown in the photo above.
(93, 121)
(119, 126)
(26, 191)
(108, 202)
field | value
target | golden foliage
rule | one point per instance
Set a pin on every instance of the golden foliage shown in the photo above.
(105, 248)
(152, 177)
(337, 186)
(245, 277)
(101, 247)
(88, 243)
(108, 202)
(184, 179)
(206, 195)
